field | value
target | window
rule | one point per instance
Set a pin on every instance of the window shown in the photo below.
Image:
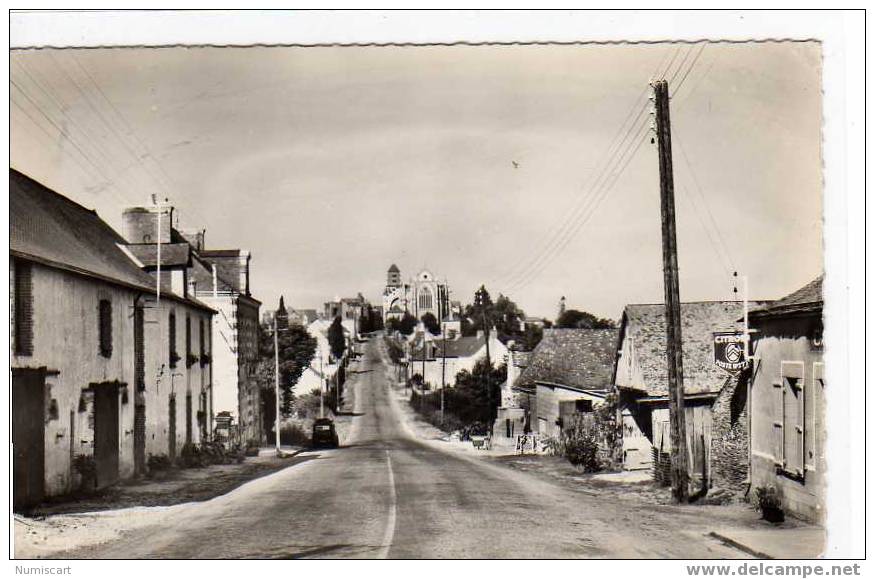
(105, 328)
(188, 353)
(425, 298)
(792, 420)
(583, 405)
(23, 304)
(173, 356)
(202, 341)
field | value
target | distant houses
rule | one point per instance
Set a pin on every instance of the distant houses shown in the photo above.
(105, 372)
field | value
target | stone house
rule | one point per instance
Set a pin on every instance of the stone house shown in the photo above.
(91, 369)
(788, 421)
(220, 279)
(569, 372)
(715, 400)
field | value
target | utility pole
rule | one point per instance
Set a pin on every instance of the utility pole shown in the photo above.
(160, 206)
(674, 351)
(481, 298)
(276, 358)
(443, 370)
(422, 382)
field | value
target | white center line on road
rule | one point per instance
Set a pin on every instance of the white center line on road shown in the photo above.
(393, 507)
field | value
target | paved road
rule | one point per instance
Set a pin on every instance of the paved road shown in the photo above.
(386, 494)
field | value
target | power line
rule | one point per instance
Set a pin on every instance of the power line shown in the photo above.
(55, 99)
(605, 162)
(169, 182)
(698, 189)
(524, 275)
(593, 208)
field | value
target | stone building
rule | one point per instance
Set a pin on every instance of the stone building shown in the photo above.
(788, 395)
(220, 279)
(420, 295)
(715, 400)
(96, 375)
(569, 372)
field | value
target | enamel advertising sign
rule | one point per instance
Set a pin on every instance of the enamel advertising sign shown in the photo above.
(729, 351)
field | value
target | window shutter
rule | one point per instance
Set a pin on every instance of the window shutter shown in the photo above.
(187, 341)
(172, 340)
(23, 308)
(105, 327)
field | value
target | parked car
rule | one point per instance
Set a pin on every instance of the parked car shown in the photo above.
(324, 434)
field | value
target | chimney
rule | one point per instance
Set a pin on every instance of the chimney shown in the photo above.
(141, 223)
(195, 238)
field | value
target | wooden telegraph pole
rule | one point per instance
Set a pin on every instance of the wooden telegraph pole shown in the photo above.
(677, 419)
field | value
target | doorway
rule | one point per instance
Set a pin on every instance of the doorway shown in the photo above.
(171, 430)
(106, 432)
(28, 436)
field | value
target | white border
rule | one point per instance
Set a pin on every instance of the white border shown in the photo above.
(843, 40)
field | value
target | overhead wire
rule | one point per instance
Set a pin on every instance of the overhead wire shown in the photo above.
(606, 162)
(582, 218)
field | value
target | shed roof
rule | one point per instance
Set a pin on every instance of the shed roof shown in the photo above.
(47, 227)
(580, 358)
(809, 298)
(172, 254)
(645, 325)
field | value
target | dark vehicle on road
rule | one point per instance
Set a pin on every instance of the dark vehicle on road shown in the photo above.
(324, 434)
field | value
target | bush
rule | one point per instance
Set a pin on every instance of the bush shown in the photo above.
(769, 503)
(86, 467)
(294, 434)
(583, 451)
(190, 456)
(158, 463)
(581, 443)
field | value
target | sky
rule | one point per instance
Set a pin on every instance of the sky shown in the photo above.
(529, 168)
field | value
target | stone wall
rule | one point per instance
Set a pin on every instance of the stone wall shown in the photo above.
(730, 439)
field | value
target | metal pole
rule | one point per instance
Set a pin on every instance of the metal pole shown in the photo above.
(322, 381)
(674, 342)
(158, 240)
(443, 371)
(276, 358)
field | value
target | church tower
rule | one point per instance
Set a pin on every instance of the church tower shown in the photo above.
(393, 276)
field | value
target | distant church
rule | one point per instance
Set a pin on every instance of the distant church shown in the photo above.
(419, 296)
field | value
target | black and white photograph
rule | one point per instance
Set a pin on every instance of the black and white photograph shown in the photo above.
(510, 298)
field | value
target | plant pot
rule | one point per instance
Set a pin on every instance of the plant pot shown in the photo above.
(773, 514)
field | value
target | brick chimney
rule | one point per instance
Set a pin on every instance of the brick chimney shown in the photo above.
(195, 238)
(140, 225)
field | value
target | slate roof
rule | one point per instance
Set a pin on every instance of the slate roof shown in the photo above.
(172, 254)
(49, 228)
(807, 299)
(463, 347)
(394, 268)
(644, 324)
(578, 358)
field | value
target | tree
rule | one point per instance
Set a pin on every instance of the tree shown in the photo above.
(407, 324)
(576, 319)
(431, 324)
(474, 397)
(504, 315)
(296, 350)
(336, 338)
